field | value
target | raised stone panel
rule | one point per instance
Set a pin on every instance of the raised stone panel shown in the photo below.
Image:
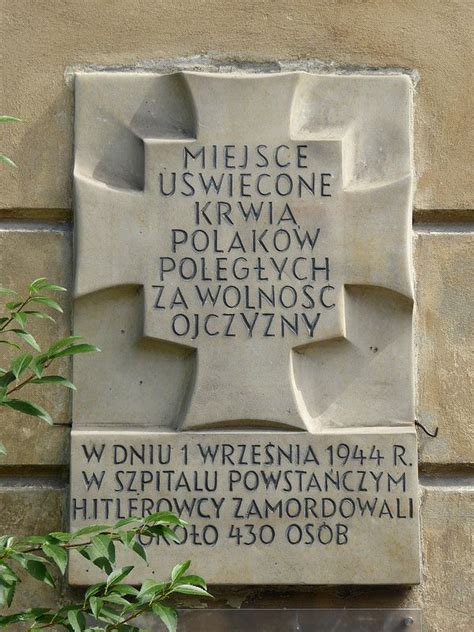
(243, 259)
(349, 250)
(273, 508)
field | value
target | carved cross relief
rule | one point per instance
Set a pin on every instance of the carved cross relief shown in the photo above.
(267, 220)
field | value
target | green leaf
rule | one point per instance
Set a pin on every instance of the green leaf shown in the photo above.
(7, 573)
(3, 449)
(26, 615)
(32, 539)
(63, 342)
(7, 378)
(21, 319)
(95, 528)
(37, 314)
(109, 616)
(17, 557)
(11, 618)
(3, 393)
(126, 521)
(137, 548)
(13, 305)
(5, 290)
(96, 605)
(77, 620)
(21, 363)
(104, 547)
(194, 580)
(49, 302)
(8, 540)
(57, 554)
(7, 161)
(150, 588)
(39, 571)
(4, 118)
(42, 284)
(189, 589)
(116, 599)
(73, 349)
(163, 517)
(37, 366)
(28, 338)
(167, 533)
(179, 570)
(124, 589)
(53, 379)
(117, 576)
(10, 593)
(61, 535)
(103, 563)
(167, 614)
(54, 288)
(127, 537)
(37, 284)
(84, 551)
(28, 408)
(93, 590)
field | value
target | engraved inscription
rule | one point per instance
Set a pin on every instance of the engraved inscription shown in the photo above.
(243, 260)
(279, 493)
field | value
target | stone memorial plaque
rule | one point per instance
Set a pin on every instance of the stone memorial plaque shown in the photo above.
(243, 260)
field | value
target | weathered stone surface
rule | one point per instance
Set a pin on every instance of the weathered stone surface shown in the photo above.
(447, 529)
(286, 508)
(433, 39)
(24, 256)
(29, 441)
(444, 265)
(29, 510)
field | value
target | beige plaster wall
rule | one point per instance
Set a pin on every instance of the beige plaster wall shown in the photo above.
(40, 39)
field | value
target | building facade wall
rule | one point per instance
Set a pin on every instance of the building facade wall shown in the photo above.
(43, 41)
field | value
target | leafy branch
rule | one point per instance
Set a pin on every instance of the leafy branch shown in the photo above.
(110, 602)
(28, 367)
